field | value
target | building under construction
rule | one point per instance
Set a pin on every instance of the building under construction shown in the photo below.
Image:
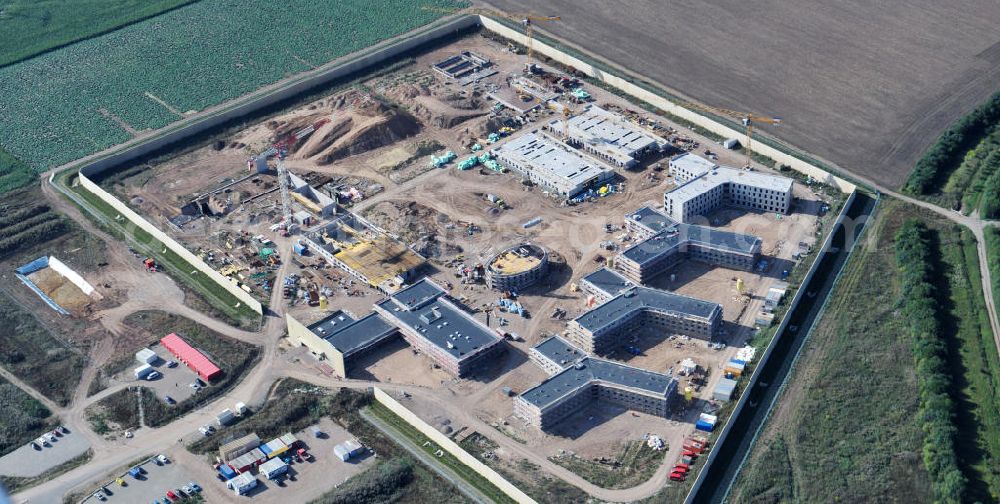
(605, 327)
(577, 380)
(664, 242)
(365, 251)
(608, 136)
(551, 164)
(705, 186)
(437, 327)
(517, 268)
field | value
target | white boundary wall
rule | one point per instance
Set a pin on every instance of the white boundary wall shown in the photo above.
(172, 244)
(70, 275)
(669, 106)
(451, 447)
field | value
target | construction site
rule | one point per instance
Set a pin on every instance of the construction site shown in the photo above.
(447, 174)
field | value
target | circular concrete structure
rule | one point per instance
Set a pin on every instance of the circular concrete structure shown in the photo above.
(517, 267)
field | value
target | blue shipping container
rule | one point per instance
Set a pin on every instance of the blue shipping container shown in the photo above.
(704, 426)
(227, 472)
(266, 449)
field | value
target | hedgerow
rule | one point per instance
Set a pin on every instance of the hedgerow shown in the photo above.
(924, 314)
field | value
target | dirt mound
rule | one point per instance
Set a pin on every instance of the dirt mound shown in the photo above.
(385, 130)
(446, 121)
(417, 224)
(462, 102)
(324, 137)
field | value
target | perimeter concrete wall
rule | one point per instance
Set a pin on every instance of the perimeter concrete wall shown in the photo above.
(669, 106)
(170, 243)
(451, 447)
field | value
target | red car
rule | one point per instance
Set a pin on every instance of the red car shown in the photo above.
(680, 469)
(172, 496)
(682, 465)
(689, 453)
(677, 476)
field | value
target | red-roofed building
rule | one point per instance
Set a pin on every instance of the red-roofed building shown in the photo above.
(190, 356)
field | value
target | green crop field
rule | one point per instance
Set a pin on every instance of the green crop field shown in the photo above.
(28, 28)
(85, 97)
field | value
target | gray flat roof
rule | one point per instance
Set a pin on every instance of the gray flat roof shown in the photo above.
(670, 234)
(606, 127)
(349, 335)
(591, 370)
(423, 308)
(559, 351)
(724, 175)
(651, 219)
(608, 281)
(645, 298)
(546, 155)
(693, 163)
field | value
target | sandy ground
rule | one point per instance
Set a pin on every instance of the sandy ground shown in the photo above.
(864, 85)
(62, 291)
(430, 209)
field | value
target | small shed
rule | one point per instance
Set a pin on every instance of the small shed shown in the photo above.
(289, 439)
(143, 371)
(242, 483)
(273, 468)
(724, 390)
(735, 367)
(225, 417)
(146, 356)
(348, 449)
(274, 448)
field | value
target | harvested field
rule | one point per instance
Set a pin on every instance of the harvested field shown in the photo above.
(891, 79)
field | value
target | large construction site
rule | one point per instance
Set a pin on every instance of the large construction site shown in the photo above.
(447, 218)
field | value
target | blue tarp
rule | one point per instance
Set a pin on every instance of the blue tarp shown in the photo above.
(227, 472)
(22, 275)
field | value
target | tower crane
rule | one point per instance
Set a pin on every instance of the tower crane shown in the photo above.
(526, 20)
(281, 150)
(747, 119)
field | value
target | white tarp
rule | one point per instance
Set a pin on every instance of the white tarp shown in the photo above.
(70, 275)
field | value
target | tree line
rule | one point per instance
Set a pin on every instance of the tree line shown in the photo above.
(923, 312)
(941, 157)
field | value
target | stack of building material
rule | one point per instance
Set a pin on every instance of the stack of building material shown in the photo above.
(734, 368)
(724, 390)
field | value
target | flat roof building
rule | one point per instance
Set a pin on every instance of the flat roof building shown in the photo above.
(341, 339)
(605, 284)
(705, 186)
(189, 355)
(437, 327)
(665, 242)
(587, 379)
(365, 251)
(601, 330)
(517, 267)
(608, 136)
(552, 165)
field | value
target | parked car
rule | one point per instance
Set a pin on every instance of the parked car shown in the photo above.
(171, 364)
(121, 482)
(35, 445)
(187, 490)
(195, 386)
(100, 496)
(153, 376)
(51, 436)
(172, 496)
(55, 432)
(194, 486)
(169, 400)
(680, 469)
(162, 459)
(63, 429)
(42, 441)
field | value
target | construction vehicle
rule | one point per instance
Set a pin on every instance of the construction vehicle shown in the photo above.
(526, 20)
(747, 119)
(150, 265)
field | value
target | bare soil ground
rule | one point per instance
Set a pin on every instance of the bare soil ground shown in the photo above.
(432, 209)
(865, 85)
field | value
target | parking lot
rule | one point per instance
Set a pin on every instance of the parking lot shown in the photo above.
(152, 485)
(175, 381)
(27, 462)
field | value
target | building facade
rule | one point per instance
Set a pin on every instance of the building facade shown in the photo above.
(705, 186)
(517, 268)
(664, 242)
(577, 380)
(552, 165)
(604, 328)
(438, 328)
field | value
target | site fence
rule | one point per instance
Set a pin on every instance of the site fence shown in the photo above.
(451, 447)
(668, 106)
(778, 334)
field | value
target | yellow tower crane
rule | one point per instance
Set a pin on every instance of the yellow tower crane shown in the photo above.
(526, 20)
(747, 119)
